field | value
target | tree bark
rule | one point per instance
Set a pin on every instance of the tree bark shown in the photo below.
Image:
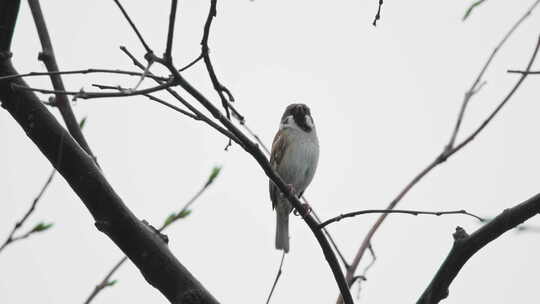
(139, 241)
(465, 246)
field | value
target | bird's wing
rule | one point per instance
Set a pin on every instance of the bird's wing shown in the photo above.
(279, 146)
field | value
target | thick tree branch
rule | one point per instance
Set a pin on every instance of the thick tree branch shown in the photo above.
(137, 240)
(465, 246)
(184, 212)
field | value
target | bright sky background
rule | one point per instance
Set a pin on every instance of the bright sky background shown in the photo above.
(384, 100)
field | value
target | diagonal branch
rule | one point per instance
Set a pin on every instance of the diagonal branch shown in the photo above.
(175, 94)
(465, 246)
(106, 282)
(48, 58)
(133, 27)
(11, 237)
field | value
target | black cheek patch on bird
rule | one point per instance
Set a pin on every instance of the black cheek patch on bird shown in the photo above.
(300, 119)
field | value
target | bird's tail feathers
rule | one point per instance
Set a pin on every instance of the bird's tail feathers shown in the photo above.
(282, 230)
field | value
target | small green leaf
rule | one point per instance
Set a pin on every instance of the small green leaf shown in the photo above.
(171, 218)
(471, 8)
(82, 122)
(213, 175)
(41, 227)
(184, 213)
(111, 283)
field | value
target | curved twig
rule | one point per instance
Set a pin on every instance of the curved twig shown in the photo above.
(386, 211)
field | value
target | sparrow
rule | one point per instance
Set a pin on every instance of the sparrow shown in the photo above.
(294, 156)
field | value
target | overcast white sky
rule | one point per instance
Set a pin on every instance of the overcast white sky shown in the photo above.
(384, 100)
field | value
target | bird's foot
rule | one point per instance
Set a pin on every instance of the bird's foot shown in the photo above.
(306, 209)
(291, 189)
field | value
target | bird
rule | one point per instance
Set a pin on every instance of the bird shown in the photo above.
(294, 156)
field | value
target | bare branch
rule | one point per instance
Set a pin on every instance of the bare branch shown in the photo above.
(478, 80)
(198, 113)
(85, 71)
(106, 282)
(386, 211)
(48, 58)
(140, 243)
(378, 15)
(151, 97)
(471, 8)
(170, 34)
(133, 27)
(523, 72)
(187, 66)
(220, 89)
(91, 95)
(184, 212)
(465, 246)
(278, 275)
(450, 148)
(11, 237)
(329, 236)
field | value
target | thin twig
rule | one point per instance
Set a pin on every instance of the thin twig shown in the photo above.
(220, 89)
(11, 238)
(478, 80)
(256, 137)
(106, 281)
(175, 94)
(143, 76)
(386, 211)
(378, 15)
(278, 275)
(133, 27)
(329, 237)
(448, 151)
(151, 97)
(85, 71)
(91, 95)
(187, 66)
(523, 72)
(170, 33)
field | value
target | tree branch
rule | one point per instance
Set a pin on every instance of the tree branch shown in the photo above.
(386, 211)
(465, 246)
(137, 240)
(172, 18)
(11, 237)
(48, 58)
(91, 95)
(84, 71)
(185, 211)
(450, 148)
